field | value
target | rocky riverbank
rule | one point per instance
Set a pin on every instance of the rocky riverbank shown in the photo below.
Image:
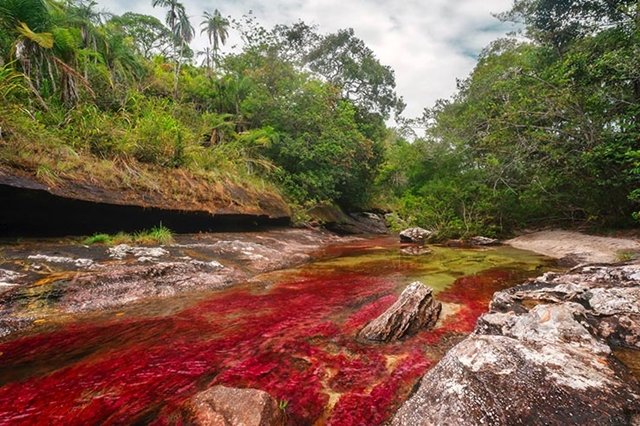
(544, 354)
(45, 282)
(576, 247)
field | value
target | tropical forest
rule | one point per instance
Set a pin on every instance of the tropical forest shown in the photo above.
(221, 218)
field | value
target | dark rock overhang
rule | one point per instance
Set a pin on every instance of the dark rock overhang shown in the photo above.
(31, 208)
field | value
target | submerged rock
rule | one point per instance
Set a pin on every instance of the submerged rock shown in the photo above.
(415, 235)
(415, 309)
(542, 355)
(225, 406)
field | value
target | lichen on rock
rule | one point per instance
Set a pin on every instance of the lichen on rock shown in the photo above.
(542, 355)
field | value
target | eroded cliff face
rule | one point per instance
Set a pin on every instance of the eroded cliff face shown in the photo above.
(544, 354)
(81, 205)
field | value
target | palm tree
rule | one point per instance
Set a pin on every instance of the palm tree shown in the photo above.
(182, 30)
(217, 29)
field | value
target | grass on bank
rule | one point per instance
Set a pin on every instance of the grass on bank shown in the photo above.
(156, 235)
(120, 151)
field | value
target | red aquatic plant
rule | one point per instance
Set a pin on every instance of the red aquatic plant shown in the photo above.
(295, 341)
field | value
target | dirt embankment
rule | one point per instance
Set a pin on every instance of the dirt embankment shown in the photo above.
(581, 247)
(153, 187)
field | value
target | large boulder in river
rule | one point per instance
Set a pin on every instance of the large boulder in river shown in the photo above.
(498, 380)
(542, 355)
(415, 235)
(224, 406)
(415, 309)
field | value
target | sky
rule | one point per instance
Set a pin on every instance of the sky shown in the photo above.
(428, 43)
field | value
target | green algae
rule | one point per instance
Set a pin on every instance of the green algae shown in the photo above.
(438, 269)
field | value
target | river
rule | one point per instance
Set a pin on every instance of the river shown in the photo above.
(289, 332)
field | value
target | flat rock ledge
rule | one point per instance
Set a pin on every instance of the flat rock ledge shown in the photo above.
(542, 355)
(414, 310)
(225, 406)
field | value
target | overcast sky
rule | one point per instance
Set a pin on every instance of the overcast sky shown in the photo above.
(429, 43)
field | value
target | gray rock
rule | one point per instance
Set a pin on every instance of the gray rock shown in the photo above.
(415, 235)
(415, 309)
(224, 406)
(8, 278)
(499, 380)
(143, 253)
(542, 355)
(78, 262)
(483, 241)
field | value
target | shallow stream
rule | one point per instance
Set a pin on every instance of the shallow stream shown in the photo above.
(289, 332)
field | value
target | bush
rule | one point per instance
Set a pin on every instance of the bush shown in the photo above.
(159, 138)
(156, 235)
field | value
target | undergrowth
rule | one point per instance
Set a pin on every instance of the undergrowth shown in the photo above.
(156, 235)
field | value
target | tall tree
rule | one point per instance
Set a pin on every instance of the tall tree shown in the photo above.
(149, 35)
(183, 32)
(217, 28)
(559, 22)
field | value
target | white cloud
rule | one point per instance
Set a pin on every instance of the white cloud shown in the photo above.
(428, 43)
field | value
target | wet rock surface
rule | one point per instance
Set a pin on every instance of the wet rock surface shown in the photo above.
(542, 355)
(225, 406)
(414, 310)
(332, 217)
(48, 280)
(415, 235)
(483, 241)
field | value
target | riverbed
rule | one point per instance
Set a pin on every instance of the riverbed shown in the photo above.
(290, 332)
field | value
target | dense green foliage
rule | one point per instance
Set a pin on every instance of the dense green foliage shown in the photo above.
(543, 132)
(126, 90)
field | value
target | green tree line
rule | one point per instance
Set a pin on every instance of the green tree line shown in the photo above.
(545, 130)
(80, 83)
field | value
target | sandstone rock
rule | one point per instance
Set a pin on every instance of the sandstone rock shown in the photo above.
(415, 235)
(619, 330)
(370, 223)
(123, 250)
(79, 262)
(500, 380)
(224, 406)
(415, 309)
(546, 324)
(336, 220)
(8, 278)
(483, 241)
(542, 355)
